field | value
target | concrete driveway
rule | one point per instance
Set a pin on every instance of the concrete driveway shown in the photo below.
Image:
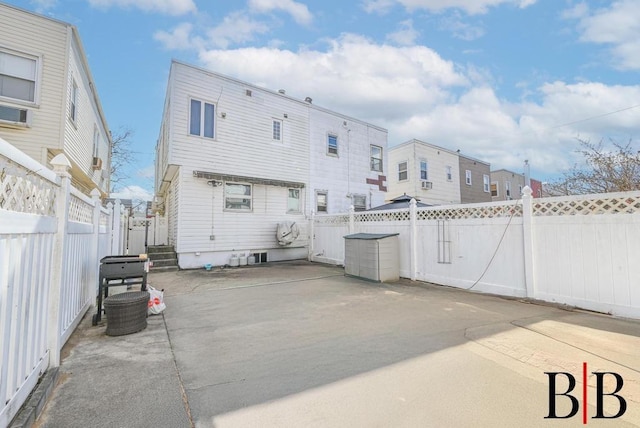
(300, 345)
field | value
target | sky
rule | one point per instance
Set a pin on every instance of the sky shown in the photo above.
(501, 80)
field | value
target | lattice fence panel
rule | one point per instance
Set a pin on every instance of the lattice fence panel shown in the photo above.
(23, 191)
(334, 219)
(619, 204)
(380, 216)
(80, 211)
(489, 211)
(104, 219)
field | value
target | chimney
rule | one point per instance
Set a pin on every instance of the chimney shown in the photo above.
(309, 100)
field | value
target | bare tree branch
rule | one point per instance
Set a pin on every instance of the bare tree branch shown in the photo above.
(612, 168)
(121, 155)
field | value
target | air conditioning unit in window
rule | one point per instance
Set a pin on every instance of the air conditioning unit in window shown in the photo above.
(96, 163)
(427, 185)
(15, 116)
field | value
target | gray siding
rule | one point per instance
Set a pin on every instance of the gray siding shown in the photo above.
(475, 192)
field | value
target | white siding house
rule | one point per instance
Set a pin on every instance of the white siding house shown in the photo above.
(425, 171)
(48, 101)
(235, 160)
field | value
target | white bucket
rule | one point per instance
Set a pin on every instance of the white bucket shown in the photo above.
(251, 260)
(243, 260)
(234, 261)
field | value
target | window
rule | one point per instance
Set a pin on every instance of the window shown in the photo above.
(359, 202)
(96, 141)
(277, 129)
(423, 170)
(202, 120)
(467, 177)
(332, 145)
(73, 112)
(494, 189)
(376, 158)
(520, 190)
(293, 201)
(18, 77)
(321, 202)
(507, 189)
(237, 196)
(486, 183)
(402, 171)
(449, 174)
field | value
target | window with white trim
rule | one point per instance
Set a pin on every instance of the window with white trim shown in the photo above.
(424, 174)
(449, 173)
(321, 202)
(96, 141)
(507, 189)
(486, 183)
(376, 158)
(332, 144)
(277, 129)
(403, 173)
(237, 196)
(293, 201)
(467, 177)
(73, 111)
(18, 76)
(494, 189)
(359, 202)
(202, 119)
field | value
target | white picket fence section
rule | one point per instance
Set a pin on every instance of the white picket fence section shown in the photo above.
(581, 251)
(51, 240)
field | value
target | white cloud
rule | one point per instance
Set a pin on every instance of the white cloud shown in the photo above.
(169, 7)
(132, 192)
(43, 5)
(406, 35)
(471, 7)
(461, 29)
(617, 26)
(179, 38)
(298, 11)
(235, 28)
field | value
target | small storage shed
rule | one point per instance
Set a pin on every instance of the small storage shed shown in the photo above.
(372, 256)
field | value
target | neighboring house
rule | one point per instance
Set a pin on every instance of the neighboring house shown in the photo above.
(475, 180)
(401, 202)
(428, 172)
(507, 185)
(234, 161)
(48, 101)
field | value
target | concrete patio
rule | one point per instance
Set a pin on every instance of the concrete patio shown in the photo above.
(299, 344)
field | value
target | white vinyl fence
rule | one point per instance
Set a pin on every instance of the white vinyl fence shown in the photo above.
(581, 250)
(51, 240)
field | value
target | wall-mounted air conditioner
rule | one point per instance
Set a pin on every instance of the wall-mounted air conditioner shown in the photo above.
(96, 163)
(427, 185)
(15, 116)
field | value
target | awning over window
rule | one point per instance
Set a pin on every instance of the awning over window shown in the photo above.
(243, 179)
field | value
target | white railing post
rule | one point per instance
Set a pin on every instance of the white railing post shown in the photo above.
(124, 236)
(61, 166)
(352, 220)
(528, 242)
(156, 227)
(115, 229)
(413, 233)
(95, 247)
(312, 233)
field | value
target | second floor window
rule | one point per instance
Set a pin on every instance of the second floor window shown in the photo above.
(507, 189)
(332, 144)
(424, 175)
(277, 130)
(449, 173)
(18, 77)
(494, 189)
(202, 119)
(467, 177)
(73, 112)
(486, 183)
(376, 158)
(402, 171)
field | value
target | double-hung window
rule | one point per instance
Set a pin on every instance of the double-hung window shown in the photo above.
(332, 144)
(467, 177)
(96, 142)
(494, 189)
(321, 202)
(293, 201)
(507, 189)
(359, 202)
(237, 196)
(402, 171)
(376, 158)
(449, 173)
(277, 130)
(18, 77)
(202, 119)
(424, 175)
(73, 111)
(486, 183)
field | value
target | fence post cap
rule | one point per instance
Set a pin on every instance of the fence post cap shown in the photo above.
(60, 163)
(527, 191)
(95, 193)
